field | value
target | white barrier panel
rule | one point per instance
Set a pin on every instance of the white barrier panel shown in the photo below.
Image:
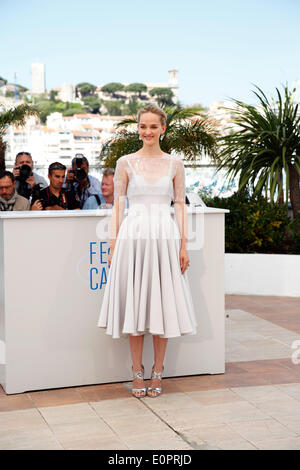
(52, 278)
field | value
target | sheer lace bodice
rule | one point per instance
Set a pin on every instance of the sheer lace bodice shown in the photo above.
(138, 175)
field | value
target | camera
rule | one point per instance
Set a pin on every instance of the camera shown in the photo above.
(36, 194)
(25, 172)
(79, 173)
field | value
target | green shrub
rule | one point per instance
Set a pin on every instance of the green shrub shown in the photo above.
(254, 225)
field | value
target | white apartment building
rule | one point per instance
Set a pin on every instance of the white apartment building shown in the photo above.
(60, 139)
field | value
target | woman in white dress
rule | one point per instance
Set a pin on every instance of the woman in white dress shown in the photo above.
(147, 287)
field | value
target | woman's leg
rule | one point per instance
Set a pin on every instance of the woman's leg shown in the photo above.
(159, 346)
(136, 349)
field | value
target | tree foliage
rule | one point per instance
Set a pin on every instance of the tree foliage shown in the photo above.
(164, 96)
(114, 108)
(92, 104)
(46, 107)
(86, 89)
(112, 88)
(53, 95)
(138, 88)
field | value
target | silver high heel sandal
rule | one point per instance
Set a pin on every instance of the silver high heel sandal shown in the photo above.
(158, 390)
(139, 375)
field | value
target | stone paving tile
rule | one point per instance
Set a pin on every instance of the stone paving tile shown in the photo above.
(293, 390)
(287, 407)
(213, 397)
(25, 429)
(102, 392)
(272, 341)
(202, 382)
(75, 422)
(257, 394)
(240, 444)
(55, 397)
(240, 380)
(262, 430)
(20, 420)
(182, 419)
(29, 440)
(170, 401)
(210, 434)
(150, 440)
(125, 424)
(119, 407)
(95, 442)
(292, 422)
(270, 308)
(15, 402)
(292, 443)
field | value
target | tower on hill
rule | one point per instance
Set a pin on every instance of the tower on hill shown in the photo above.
(38, 78)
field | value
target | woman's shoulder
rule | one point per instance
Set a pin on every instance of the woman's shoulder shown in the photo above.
(124, 158)
(176, 156)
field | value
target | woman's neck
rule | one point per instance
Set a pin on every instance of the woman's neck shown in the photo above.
(150, 151)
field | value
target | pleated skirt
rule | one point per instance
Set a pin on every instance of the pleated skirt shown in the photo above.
(145, 290)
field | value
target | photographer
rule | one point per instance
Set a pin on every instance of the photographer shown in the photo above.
(10, 200)
(55, 197)
(26, 178)
(79, 179)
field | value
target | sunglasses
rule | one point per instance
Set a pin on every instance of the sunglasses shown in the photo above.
(23, 153)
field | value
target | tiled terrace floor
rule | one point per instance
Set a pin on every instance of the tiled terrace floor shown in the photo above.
(254, 405)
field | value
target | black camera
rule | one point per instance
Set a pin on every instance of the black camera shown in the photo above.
(25, 172)
(36, 194)
(79, 173)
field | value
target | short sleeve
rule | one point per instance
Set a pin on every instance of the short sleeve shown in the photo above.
(120, 179)
(90, 203)
(179, 181)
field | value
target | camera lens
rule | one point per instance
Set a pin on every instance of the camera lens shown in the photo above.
(25, 172)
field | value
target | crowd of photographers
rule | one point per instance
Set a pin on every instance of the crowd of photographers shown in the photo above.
(69, 189)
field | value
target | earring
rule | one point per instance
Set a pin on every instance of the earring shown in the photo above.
(161, 137)
(140, 137)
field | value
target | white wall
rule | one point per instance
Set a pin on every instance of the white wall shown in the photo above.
(262, 274)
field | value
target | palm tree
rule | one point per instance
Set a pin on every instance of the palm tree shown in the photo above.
(187, 132)
(16, 116)
(265, 147)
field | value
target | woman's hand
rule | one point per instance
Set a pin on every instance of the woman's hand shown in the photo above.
(184, 260)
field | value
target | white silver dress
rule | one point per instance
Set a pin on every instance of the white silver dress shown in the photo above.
(145, 290)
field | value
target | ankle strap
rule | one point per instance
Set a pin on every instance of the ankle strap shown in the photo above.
(156, 375)
(139, 374)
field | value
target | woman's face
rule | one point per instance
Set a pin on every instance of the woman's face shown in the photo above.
(150, 128)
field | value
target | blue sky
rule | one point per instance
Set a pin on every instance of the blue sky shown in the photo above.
(219, 47)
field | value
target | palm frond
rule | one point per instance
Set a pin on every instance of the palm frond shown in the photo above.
(264, 144)
(17, 115)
